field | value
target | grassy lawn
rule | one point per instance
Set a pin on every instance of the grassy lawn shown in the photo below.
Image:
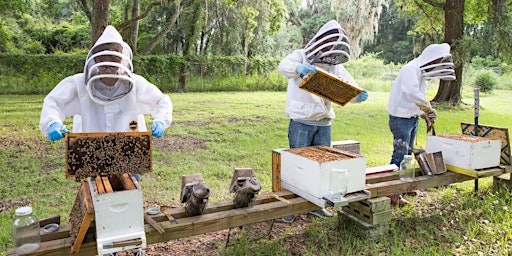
(213, 133)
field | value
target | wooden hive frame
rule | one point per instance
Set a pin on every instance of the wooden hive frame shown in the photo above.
(107, 153)
(81, 216)
(329, 87)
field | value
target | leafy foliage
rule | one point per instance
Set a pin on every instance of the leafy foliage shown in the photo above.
(394, 43)
(42, 72)
(486, 80)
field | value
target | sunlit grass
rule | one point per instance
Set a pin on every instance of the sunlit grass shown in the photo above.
(240, 129)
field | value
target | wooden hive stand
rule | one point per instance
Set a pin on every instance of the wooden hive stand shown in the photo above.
(371, 216)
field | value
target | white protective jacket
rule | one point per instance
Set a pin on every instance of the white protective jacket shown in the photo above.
(410, 86)
(73, 97)
(301, 104)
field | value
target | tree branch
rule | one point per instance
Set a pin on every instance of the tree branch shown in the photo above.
(170, 24)
(85, 8)
(146, 13)
(435, 3)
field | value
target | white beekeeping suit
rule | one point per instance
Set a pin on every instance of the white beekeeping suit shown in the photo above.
(410, 87)
(327, 50)
(100, 106)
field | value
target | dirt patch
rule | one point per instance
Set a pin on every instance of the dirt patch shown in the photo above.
(247, 120)
(178, 144)
(216, 243)
(14, 142)
(5, 205)
(192, 123)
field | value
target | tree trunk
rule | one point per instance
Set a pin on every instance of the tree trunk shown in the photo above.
(134, 29)
(99, 18)
(449, 91)
(190, 38)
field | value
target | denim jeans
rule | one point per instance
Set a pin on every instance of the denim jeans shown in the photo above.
(302, 135)
(404, 132)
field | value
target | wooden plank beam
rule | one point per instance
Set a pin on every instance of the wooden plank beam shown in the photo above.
(223, 215)
(215, 218)
(205, 223)
(392, 187)
(386, 176)
(475, 173)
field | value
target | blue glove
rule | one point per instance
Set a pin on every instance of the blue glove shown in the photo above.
(362, 96)
(158, 129)
(55, 131)
(305, 69)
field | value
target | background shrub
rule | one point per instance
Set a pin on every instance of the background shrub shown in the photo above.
(486, 80)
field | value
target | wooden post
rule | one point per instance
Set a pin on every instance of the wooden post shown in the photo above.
(276, 170)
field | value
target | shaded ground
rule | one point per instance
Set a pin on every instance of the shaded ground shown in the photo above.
(214, 243)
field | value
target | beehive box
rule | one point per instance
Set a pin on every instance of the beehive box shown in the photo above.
(119, 213)
(308, 169)
(115, 204)
(105, 153)
(465, 151)
(493, 133)
(329, 87)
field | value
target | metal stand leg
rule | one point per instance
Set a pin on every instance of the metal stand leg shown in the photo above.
(269, 234)
(227, 239)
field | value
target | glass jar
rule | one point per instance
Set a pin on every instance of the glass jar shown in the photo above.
(338, 183)
(25, 231)
(407, 168)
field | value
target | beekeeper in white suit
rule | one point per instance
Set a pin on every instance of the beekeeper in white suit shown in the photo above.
(107, 96)
(407, 100)
(311, 115)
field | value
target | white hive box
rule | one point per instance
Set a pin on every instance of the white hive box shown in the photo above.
(465, 151)
(303, 169)
(119, 218)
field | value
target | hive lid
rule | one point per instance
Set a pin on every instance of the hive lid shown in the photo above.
(463, 137)
(329, 87)
(107, 153)
(323, 153)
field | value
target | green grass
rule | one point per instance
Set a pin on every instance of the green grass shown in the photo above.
(225, 130)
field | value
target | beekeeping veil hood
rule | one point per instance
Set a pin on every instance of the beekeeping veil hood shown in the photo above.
(436, 62)
(330, 45)
(108, 68)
